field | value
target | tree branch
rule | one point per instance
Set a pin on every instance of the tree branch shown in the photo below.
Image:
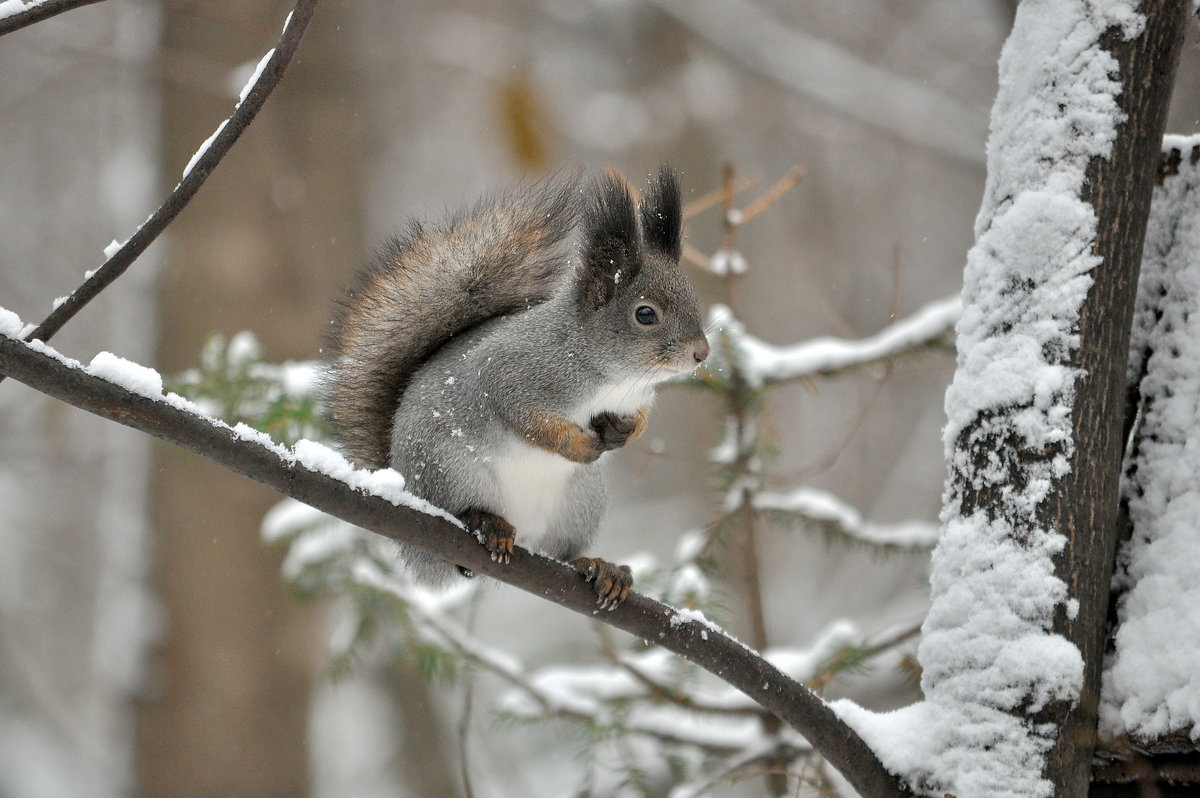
(687, 635)
(222, 141)
(928, 327)
(17, 14)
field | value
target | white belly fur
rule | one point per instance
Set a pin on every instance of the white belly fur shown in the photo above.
(533, 481)
(623, 398)
(532, 484)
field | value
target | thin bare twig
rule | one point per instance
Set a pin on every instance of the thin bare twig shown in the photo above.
(733, 219)
(36, 12)
(771, 195)
(711, 198)
(228, 133)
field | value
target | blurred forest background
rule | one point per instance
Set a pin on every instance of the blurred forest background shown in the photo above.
(148, 645)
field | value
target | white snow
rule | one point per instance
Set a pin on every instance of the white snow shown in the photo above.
(1152, 681)
(690, 544)
(606, 695)
(737, 438)
(988, 654)
(288, 518)
(247, 76)
(763, 362)
(296, 377)
(203, 148)
(725, 262)
(113, 247)
(245, 432)
(386, 483)
(9, 8)
(133, 377)
(11, 325)
(802, 664)
(825, 508)
(688, 583)
(323, 542)
(243, 349)
(685, 615)
(245, 91)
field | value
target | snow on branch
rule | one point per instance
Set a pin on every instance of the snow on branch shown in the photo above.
(17, 14)
(932, 325)
(253, 96)
(837, 517)
(375, 501)
(1152, 680)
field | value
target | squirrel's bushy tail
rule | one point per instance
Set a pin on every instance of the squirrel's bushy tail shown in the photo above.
(430, 284)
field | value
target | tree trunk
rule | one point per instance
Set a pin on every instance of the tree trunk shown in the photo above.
(1085, 508)
(1014, 639)
(239, 654)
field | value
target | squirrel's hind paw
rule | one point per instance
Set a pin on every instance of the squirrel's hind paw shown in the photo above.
(610, 581)
(493, 531)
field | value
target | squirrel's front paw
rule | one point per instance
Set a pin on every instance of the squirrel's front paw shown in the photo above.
(493, 531)
(614, 431)
(610, 581)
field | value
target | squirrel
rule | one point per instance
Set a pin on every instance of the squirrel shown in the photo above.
(493, 365)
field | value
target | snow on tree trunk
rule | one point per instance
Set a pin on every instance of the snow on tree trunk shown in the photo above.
(1012, 642)
(1152, 680)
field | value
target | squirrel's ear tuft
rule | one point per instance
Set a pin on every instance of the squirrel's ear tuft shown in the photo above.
(662, 213)
(610, 251)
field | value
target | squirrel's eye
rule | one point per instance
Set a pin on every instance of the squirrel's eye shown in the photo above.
(646, 315)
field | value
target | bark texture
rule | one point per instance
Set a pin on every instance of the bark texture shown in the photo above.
(1085, 508)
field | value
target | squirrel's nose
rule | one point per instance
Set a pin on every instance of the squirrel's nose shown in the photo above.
(700, 350)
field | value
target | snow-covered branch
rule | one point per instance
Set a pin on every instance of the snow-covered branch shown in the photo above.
(376, 501)
(121, 255)
(17, 14)
(833, 515)
(763, 363)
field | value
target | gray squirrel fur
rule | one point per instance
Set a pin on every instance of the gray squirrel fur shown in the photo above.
(492, 364)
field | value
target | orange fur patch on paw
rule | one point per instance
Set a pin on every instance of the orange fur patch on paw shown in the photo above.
(562, 436)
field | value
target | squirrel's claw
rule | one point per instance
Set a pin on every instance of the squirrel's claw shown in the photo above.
(611, 582)
(494, 532)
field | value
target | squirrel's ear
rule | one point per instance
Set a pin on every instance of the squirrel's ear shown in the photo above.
(662, 213)
(610, 253)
